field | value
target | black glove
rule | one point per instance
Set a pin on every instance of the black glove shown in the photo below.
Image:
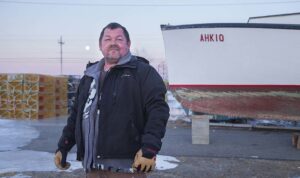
(60, 160)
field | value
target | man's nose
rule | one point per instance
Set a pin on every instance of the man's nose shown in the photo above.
(113, 41)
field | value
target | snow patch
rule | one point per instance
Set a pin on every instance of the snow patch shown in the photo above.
(166, 162)
(26, 160)
(14, 135)
(18, 176)
(176, 110)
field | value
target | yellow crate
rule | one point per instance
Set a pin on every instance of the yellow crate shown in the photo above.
(13, 87)
(3, 92)
(31, 87)
(31, 78)
(28, 92)
(3, 96)
(40, 115)
(13, 105)
(30, 106)
(4, 104)
(14, 97)
(30, 114)
(33, 114)
(31, 99)
(6, 113)
(3, 77)
(39, 106)
(38, 87)
(19, 114)
(2, 111)
(3, 86)
(15, 78)
(39, 97)
(18, 105)
(33, 96)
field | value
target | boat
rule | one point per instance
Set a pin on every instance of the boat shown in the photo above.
(245, 70)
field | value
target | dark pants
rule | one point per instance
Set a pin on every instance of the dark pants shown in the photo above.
(109, 174)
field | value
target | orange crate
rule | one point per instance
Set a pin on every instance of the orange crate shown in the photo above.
(47, 79)
(47, 88)
(62, 112)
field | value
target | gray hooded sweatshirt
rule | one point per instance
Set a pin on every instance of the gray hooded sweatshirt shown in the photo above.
(91, 119)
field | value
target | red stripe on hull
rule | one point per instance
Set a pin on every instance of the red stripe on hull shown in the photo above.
(238, 87)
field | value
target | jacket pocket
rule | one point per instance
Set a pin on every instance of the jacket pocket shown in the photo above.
(134, 133)
(122, 140)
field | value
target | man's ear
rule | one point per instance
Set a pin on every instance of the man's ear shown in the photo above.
(100, 46)
(129, 44)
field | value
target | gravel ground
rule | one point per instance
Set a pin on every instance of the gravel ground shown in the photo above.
(228, 154)
(191, 167)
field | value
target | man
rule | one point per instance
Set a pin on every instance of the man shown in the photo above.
(119, 116)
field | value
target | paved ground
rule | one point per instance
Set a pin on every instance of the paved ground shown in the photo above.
(231, 152)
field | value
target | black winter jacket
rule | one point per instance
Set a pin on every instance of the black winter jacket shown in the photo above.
(133, 112)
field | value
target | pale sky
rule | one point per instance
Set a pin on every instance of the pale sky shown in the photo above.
(30, 29)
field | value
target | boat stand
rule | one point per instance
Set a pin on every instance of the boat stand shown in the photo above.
(200, 129)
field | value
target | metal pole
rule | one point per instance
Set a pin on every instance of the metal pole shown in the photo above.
(61, 43)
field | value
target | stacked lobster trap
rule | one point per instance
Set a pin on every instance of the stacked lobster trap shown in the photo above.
(32, 96)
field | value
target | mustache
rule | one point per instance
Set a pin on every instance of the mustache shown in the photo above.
(114, 47)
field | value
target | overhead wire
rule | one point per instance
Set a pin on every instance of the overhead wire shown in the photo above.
(148, 4)
(45, 59)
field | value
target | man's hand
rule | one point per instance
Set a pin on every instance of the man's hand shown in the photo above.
(142, 163)
(60, 160)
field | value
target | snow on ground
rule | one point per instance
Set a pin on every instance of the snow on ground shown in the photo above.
(166, 162)
(14, 134)
(27, 160)
(17, 133)
(176, 109)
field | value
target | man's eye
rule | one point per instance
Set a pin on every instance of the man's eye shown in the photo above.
(119, 39)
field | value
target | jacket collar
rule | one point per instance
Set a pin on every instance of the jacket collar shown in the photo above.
(125, 61)
(94, 70)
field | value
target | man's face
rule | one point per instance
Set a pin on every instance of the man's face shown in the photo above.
(114, 45)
